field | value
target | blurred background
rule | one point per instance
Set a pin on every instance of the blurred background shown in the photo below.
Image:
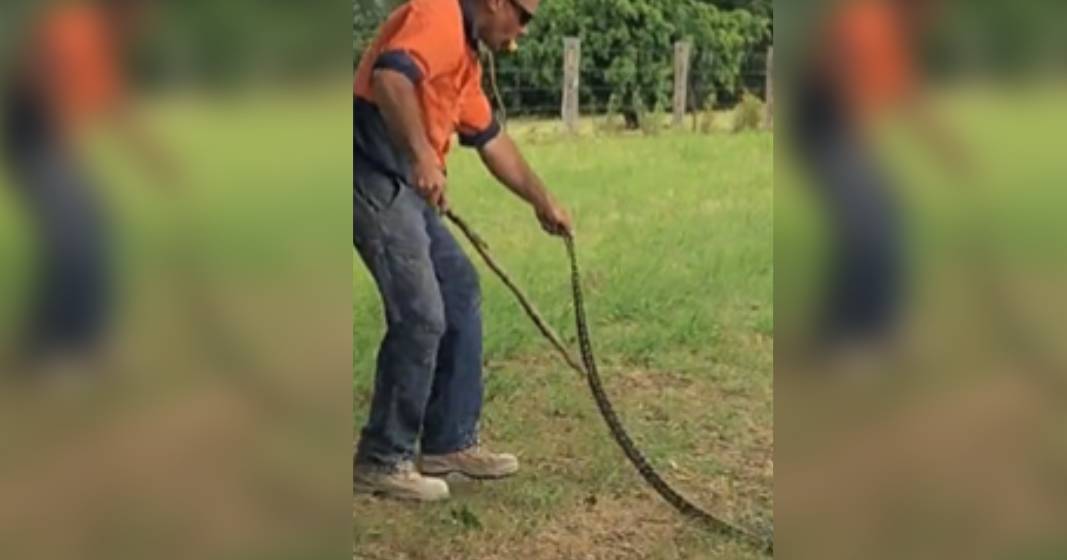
(175, 297)
(189, 195)
(920, 375)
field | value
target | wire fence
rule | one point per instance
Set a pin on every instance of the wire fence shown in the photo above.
(539, 91)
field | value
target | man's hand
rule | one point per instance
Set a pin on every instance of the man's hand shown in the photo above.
(940, 138)
(430, 182)
(142, 143)
(400, 107)
(554, 218)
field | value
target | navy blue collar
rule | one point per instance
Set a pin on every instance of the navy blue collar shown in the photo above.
(467, 7)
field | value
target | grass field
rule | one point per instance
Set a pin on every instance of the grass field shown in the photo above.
(675, 236)
(674, 233)
(943, 456)
(1009, 196)
(179, 453)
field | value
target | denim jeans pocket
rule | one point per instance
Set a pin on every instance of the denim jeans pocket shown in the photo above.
(377, 191)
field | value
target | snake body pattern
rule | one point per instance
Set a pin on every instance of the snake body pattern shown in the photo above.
(762, 538)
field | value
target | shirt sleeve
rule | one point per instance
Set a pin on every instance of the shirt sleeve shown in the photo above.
(420, 49)
(477, 126)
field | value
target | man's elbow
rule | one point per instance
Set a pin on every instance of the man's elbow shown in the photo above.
(382, 81)
(495, 144)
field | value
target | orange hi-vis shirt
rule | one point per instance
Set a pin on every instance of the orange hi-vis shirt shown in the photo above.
(870, 43)
(75, 56)
(432, 43)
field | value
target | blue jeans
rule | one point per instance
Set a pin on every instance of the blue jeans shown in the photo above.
(70, 307)
(866, 287)
(428, 386)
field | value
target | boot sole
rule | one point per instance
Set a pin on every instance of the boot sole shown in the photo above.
(369, 489)
(445, 473)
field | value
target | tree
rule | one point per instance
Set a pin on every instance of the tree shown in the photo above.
(627, 48)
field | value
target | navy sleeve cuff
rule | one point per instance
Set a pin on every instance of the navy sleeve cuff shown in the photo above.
(401, 62)
(480, 139)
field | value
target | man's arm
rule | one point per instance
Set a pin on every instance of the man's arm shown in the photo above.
(503, 159)
(131, 129)
(395, 95)
(939, 137)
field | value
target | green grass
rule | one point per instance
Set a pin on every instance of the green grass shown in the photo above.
(258, 190)
(264, 206)
(986, 265)
(674, 234)
(1009, 199)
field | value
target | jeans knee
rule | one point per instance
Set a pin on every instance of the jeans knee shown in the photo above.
(468, 284)
(464, 292)
(425, 323)
(416, 334)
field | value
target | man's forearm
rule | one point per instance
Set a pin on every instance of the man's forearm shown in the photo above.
(938, 137)
(132, 131)
(505, 162)
(396, 98)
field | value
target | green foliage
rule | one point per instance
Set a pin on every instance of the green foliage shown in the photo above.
(636, 115)
(707, 115)
(749, 114)
(466, 518)
(764, 8)
(219, 43)
(627, 48)
(611, 121)
(222, 43)
(652, 122)
(367, 15)
(722, 42)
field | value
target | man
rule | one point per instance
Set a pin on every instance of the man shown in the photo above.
(863, 69)
(417, 84)
(67, 77)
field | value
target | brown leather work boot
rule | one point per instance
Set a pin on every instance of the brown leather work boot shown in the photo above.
(474, 462)
(404, 483)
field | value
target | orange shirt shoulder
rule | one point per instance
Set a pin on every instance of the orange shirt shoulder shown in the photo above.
(430, 42)
(872, 45)
(78, 62)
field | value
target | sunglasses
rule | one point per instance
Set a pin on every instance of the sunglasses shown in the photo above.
(525, 17)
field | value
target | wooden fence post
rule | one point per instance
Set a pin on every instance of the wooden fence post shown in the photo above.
(572, 55)
(769, 118)
(681, 80)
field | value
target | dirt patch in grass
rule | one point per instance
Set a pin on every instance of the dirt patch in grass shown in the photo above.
(577, 496)
(969, 473)
(628, 526)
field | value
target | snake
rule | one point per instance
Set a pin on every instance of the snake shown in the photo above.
(762, 538)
